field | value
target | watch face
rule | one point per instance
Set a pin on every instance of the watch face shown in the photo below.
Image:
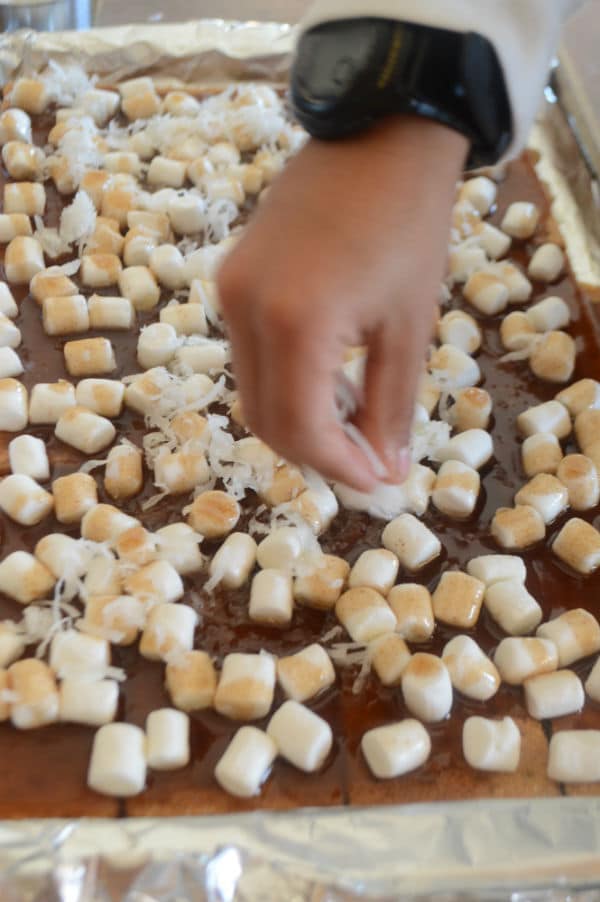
(333, 57)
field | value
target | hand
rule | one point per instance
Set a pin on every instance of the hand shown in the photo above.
(349, 248)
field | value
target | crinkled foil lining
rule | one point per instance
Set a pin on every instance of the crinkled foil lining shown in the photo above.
(542, 850)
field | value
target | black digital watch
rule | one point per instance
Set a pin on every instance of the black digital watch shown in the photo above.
(348, 74)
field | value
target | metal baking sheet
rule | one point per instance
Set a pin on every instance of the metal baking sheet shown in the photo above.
(541, 849)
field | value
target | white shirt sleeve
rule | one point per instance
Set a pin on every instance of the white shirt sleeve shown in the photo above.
(524, 32)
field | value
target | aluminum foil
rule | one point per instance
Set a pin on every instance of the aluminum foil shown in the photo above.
(542, 850)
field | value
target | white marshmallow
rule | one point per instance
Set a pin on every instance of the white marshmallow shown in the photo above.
(246, 686)
(105, 523)
(376, 568)
(305, 674)
(101, 105)
(412, 605)
(592, 684)
(145, 390)
(233, 562)
(492, 240)
(25, 197)
(23, 161)
(178, 472)
(169, 629)
(574, 756)
(156, 582)
(553, 357)
(65, 557)
(581, 395)
(550, 695)
(74, 655)
(517, 527)
(166, 173)
(271, 598)
(492, 745)
(396, 749)
(512, 607)
(456, 489)
(23, 500)
(10, 336)
(101, 396)
(84, 430)
(487, 293)
(138, 284)
(74, 496)
(15, 125)
(27, 455)
(103, 579)
(157, 344)
(541, 453)
(167, 739)
(457, 599)
(321, 579)
(118, 762)
(168, 265)
(138, 248)
(8, 305)
(116, 617)
(122, 161)
(186, 319)
(317, 507)
(187, 213)
(89, 357)
(491, 568)
(178, 544)
(411, 541)
(546, 494)
(517, 331)
(301, 736)
(12, 643)
(479, 191)
(548, 417)
(426, 688)
(474, 448)
(13, 405)
(10, 364)
(587, 429)
(460, 330)
(464, 260)
(389, 655)
(123, 474)
(471, 671)
(472, 409)
(547, 263)
(49, 401)
(365, 614)
(576, 635)
(246, 762)
(549, 314)
(191, 680)
(35, 696)
(521, 219)
(578, 545)
(100, 270)
(519, 658)
(208, 357)
(452, 368)
(65, 315)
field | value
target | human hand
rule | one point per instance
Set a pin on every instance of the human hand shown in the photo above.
(349, 248)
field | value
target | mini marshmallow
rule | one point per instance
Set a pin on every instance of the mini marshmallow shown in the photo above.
(100, 270)
(271, 598)
(101, 105)
(301, 736)
(23, 259)
(452, 368)
(10, 364)
(12, 644)
(75, 655)
(457, 599)
(473, 447)
(547, 263)
(541, 453)
(117, 200)
(178, 472)
(105, 523)
(28, 198)
(122, 161)
(89, 357)
(168, 265)
(592, 684)
(550, 314)
(581, 395)
(186, 319)
(65, 557)
(190, 428)
(574, 756)
(187, 214)
(139, 285)
(246, 762)
(456, 489)
(95, 182)
(136, 547)
(84, 430)
(553, 357)
(317, 507)
(30, 94)
(520, 220)
(491, 568)
(246, 686)
(587, 429)
(546, 494)
(548, 417)
(491, 745)
(166, 173)
(428, 393)
(142, 105)
(144, 390)
(411, 541)
(15, 125)
(35, 696)
(157, 582)
(389, 655)
(413, 607)
(101, 396)
(167, 739)
(376, 569)
(471, 671)
(139, 246)
(550, 695)
(51, 283)
(580, 478)
(103, 579)
(479, 191)
(320, 581)
(113, 616)
(169, 629)
(177, 543)
(472, 410)
(74, 496)
(207, 357)
(464, 260)
(518, 658)
(156, 346)
(305, 674)
(179, 103)
(13, 405)
(23, 500)
(90, 703)
(118, 761)
(123, 476)
(512, 607)
(234, 560)
(516, 331)
(153, 223)
(191, 680)
(460, 330)
(487, 293)
(105, 239)
(8, 305)
(517, 527)
(365, 614)
(65, 315)
(578, 545)
(519, 286)
(10, 335)
(27, 455)
(576, 635)
(396, 749)
(426, 688)
(492, 240)
(23, 161)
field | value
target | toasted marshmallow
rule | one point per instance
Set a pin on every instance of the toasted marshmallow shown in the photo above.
(578, 545)
(49, 401)
(472, 410)
(246, 686)
(169, 630)
(136, 547)
(24, 162)
(64, 556)
(587, 429)
(581, 395)
(492, 240)
(105, 523)
(12, 644)
(8, 305)
(541, 453)
(28, 198)
(30, 94)
(271, 598)
(411, 541)
(13, 405)
(177, 543)
(471, 671)
(100, 270)
(479, 191)
(553, 357)
(550, 314)
(576, 635)
(168, 265)
(118, 760)
(492, 745)
(123, 476)
(516, 331)
(10, 364)
(320, 580)
(519, 286)
(452, 368)
(65, 315)
(365, 614)
(317, 507)
(139, 285)
(90, 703)
(157, 582)
(413, 608)
(574, 756)
(517, 527)
(474, 448)
(487, 293)
(208, 357)
(190, 427)
(143, 392)
(178, 472)
(101, 396)
(187, 213)
(166, 173)
(27, 455)
(186, 319)
(75, 655)
(35, 695)
(305, 674)
(23, 500)
(491, 568)
(548, 417)
(547, 263)
(12, 225)
(457, 599)
(84, 430)
(456, 489)
(396, 749)
(101, 105)
(519, 658)
(550, 695)
(233, 562)
(546, 494)
(377, 569)
(117, 617)
(89, 357)
(74, 496)
(213, 514)
(426, 688)
(191, 680)
(95, 182)
(521, 220)
(464, 260)
(513, 608)
(389, 655)
(15, 125)
(592, 684)
(10, 336)
(301, 736)
(460, 330)
(246, 763)
(167, 739)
